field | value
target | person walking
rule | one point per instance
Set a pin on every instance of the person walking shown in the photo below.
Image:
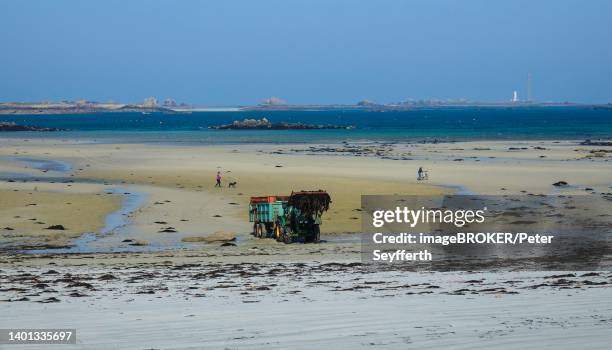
(218, 184)
(420, 174)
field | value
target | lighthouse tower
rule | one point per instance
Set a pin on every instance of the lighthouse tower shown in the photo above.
(515, 96)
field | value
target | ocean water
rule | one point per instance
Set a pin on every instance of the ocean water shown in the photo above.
(444, 124)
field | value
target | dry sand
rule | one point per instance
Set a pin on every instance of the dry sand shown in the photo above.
(541, 319)
(190, 301)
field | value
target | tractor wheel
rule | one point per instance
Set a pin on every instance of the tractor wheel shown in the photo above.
(262, 231)
(281, 234)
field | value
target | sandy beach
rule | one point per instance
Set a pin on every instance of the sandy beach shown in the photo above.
(178, 181)
(127, 256)
(187, 175)
(227, 300)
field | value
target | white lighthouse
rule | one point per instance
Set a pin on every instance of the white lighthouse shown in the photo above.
(515, 96)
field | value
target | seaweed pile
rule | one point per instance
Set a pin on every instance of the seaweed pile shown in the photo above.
(310, 203)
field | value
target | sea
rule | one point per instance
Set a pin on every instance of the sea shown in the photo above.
(417, 125)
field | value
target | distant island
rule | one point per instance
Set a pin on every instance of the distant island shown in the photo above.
(265, 124)
(151, 105)
(10, 126)
(367, 105)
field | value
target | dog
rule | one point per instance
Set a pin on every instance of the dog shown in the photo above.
(232, 184)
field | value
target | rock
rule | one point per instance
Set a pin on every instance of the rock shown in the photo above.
(56, 227)
(560, 183)
(11, 126)
(228, 244)
(221, 236)
(139, 242)
(265, 124)
(596, 143)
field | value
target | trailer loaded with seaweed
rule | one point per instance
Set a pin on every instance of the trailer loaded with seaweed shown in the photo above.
(294, 218)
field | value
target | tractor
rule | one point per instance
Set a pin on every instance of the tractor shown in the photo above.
(288, 219)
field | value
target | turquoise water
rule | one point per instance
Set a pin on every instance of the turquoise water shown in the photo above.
(414, 125)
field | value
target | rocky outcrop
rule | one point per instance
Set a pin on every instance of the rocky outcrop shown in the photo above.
(596, 143)
(265, 124)
(10, 126)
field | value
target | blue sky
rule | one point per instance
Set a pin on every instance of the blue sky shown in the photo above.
(234, 52)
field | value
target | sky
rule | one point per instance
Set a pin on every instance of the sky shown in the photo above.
(239, 52)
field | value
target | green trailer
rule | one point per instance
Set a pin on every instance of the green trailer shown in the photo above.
(294, 218)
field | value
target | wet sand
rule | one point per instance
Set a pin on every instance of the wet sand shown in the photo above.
(177, 181)
(30, 214)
